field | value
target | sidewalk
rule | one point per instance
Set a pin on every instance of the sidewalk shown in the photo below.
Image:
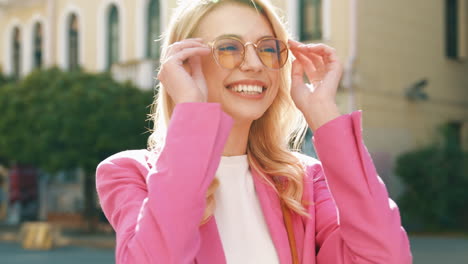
(65, 238)
(427, 249)
(435, 249)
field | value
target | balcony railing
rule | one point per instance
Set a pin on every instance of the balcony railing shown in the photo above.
(142, 73)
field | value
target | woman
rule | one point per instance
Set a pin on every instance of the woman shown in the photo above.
(218, 183)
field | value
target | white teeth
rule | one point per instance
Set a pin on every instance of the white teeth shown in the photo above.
(249, 89)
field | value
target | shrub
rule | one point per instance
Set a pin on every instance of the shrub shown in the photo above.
(436, 181)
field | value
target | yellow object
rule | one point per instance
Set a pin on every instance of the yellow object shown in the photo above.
(37, 235)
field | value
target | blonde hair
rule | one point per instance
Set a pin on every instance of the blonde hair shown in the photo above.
(272, 137)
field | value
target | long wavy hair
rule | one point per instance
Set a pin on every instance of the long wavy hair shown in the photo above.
(272, 138)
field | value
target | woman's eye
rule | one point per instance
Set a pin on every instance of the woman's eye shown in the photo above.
(228, 48)
(268, 49)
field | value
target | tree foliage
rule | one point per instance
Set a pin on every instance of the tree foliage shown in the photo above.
(58, 120)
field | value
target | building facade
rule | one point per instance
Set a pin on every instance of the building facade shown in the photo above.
(405, 61)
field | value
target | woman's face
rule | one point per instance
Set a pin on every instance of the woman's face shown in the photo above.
(249, 26)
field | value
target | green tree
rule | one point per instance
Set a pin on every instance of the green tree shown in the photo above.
(3, 81)
(63, 120)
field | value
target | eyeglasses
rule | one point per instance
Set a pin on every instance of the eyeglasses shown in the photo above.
(229, 52)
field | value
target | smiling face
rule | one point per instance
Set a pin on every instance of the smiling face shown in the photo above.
(225, 85)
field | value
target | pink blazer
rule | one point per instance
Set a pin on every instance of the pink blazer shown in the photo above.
(155, 206)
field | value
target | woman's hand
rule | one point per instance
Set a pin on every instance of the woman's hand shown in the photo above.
(181, 73)
(321, 66)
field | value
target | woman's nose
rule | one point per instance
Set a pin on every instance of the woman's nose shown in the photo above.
(251, 60)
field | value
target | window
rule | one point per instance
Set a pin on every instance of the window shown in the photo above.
(73, 40)
(113, 37)
(310, 19)
(455, 28)
(37, 52)
(152, 47)
(16, 53)
(451, 28)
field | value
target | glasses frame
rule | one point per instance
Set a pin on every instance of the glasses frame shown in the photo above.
(212, 45)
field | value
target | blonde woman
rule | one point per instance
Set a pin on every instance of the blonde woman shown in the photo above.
(219, 182)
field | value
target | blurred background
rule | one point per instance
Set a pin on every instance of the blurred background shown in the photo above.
(77, 77)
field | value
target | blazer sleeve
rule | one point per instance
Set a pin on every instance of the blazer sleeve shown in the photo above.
(356, 221)
(156, 216)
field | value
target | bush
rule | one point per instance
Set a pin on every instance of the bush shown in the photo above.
(4, 80)
(64, 120)
(436, 183)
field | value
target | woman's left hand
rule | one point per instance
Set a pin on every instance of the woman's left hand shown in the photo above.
(320, 64)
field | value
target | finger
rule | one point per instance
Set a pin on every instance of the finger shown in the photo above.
(183, 55)
(321, 49)
(197, 73)
(313, 70)
(322, 59)
(316, 59)
(297, 73)
(195, 65)
(186, 43)
(331, 58)
(309, 68)
(179, 46)
(319, 46)
(293, 43)
(306, 49)
(297, 53)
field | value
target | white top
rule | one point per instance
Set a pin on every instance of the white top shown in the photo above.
(238, 214)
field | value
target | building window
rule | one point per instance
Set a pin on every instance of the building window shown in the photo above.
(38, 33)
(16, 43)
(112, 37)
(451, 28)
(455, 26)
(152, 46)
(73, 40)
(310, 19)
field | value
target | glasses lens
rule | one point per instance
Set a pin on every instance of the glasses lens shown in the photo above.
(229, 53)
(273, 53)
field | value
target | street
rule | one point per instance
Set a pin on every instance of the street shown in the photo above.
(426, 250)
(436, 250)
(12, 253)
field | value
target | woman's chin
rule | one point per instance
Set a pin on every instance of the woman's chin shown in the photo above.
(244, 116)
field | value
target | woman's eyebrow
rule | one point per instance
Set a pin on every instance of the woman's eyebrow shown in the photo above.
(240, 37)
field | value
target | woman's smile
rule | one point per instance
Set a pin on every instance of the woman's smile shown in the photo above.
(248, 89)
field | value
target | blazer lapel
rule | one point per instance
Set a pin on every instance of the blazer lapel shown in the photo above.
(271, 208)
(211, 248)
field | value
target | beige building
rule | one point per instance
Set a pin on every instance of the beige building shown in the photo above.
(405, 61)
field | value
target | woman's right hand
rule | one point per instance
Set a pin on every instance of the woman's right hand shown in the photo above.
(181, 72)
